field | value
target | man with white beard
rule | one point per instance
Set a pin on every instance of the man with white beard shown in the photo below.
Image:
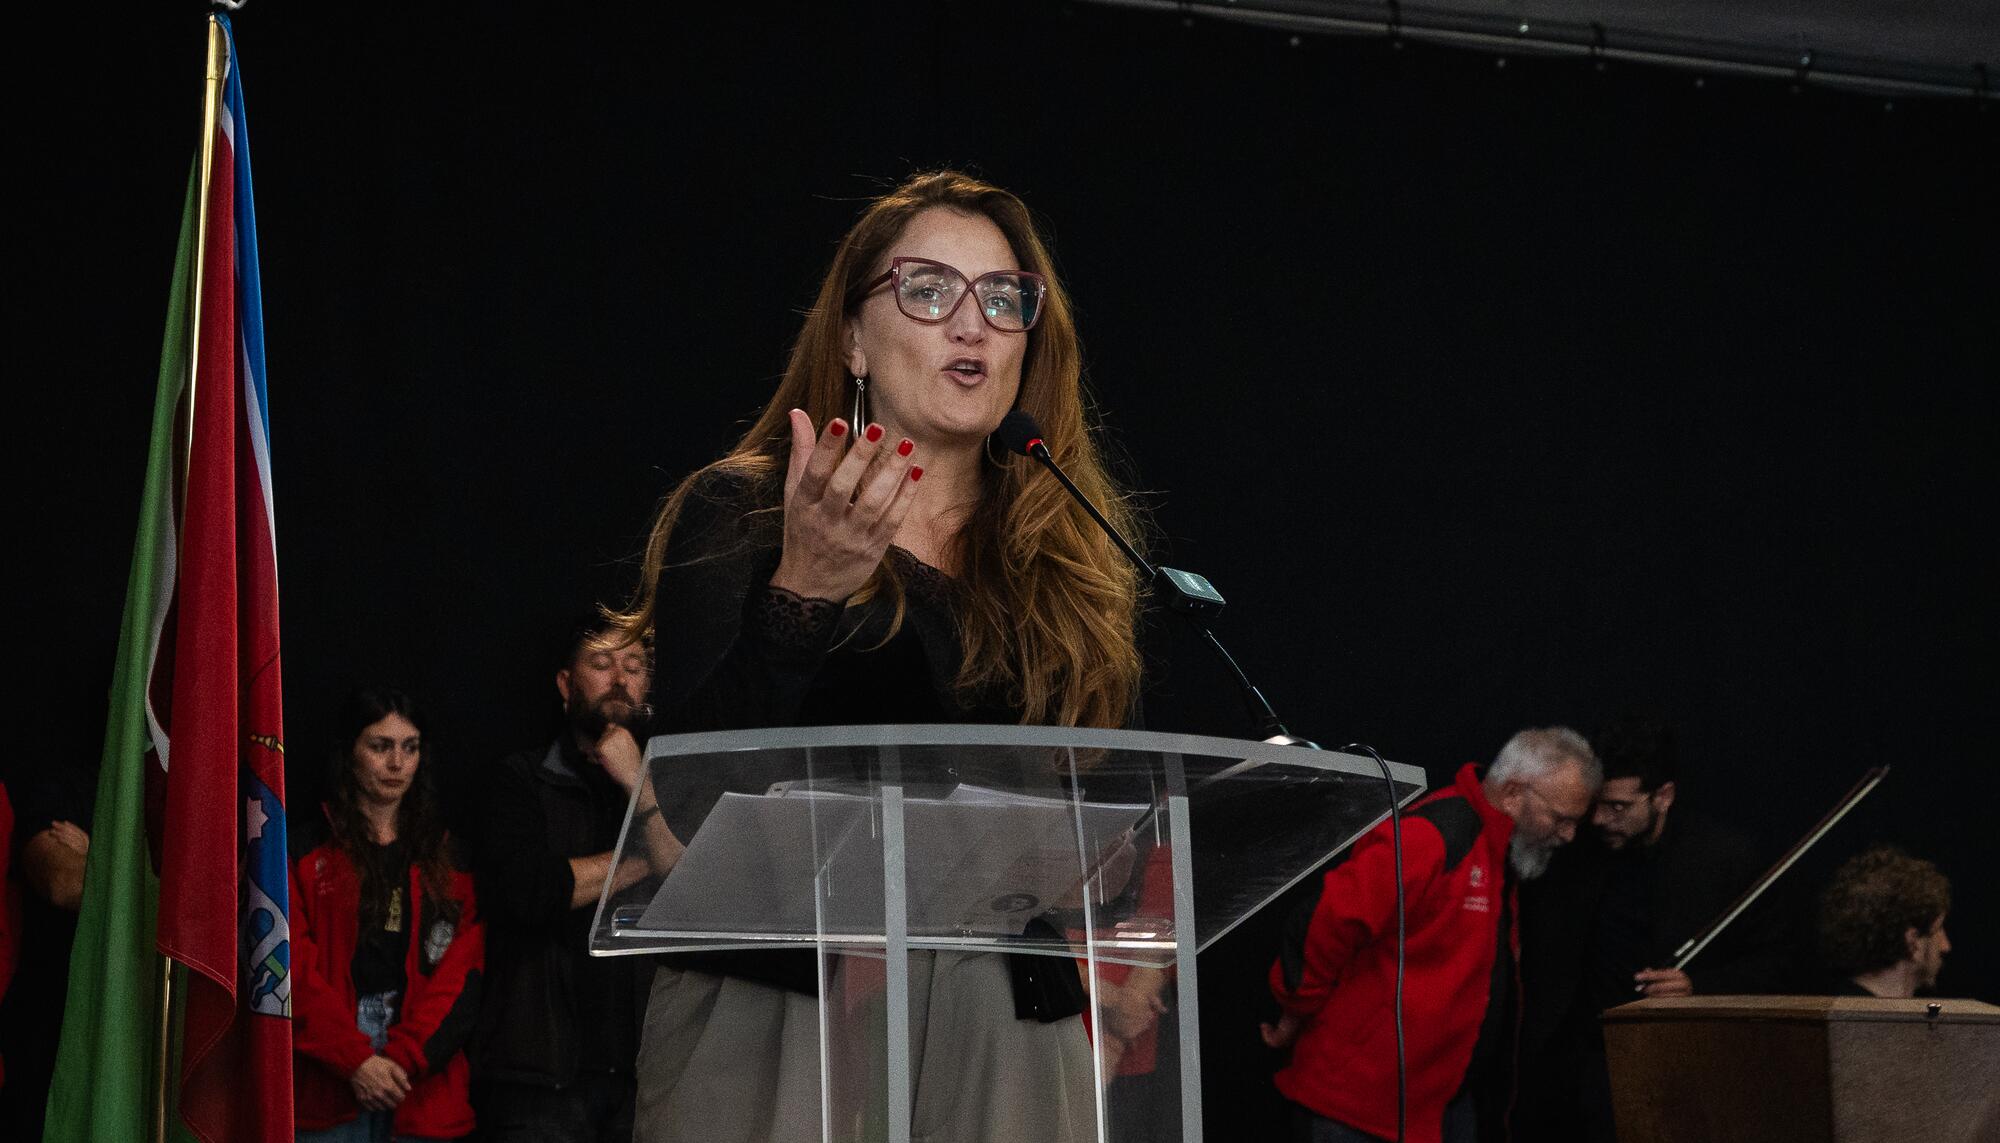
(1466, 846)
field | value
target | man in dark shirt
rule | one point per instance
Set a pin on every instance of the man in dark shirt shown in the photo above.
(54, 796)
(1881, 924)
(558, 1032)
(1601, 930)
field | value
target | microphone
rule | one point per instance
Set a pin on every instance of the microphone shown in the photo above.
(1018, 432)
(1196, 599)
(1185, 592)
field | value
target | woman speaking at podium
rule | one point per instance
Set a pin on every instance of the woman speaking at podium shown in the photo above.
(862, 556)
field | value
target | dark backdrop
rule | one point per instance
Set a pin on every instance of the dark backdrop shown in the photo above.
(1492, 393)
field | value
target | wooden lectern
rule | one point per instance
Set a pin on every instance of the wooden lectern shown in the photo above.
(1824, 1069)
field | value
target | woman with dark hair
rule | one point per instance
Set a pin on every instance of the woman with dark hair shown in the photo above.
(863, 556)
(386, 945)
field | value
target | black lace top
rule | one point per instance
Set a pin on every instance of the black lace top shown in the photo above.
(735, 653)
(800, 623)
(795, 621)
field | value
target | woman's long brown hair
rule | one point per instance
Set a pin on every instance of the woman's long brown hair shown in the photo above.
(1050, 605)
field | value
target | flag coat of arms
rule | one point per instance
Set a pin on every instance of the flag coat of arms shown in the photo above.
(189, 856)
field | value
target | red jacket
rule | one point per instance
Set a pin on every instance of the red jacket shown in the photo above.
(1343, 977)
(433, 1016)
(1156, 898)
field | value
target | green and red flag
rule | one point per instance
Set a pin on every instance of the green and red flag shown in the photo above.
(195, 733)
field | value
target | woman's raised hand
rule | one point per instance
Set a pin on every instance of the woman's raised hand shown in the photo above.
(842, 506)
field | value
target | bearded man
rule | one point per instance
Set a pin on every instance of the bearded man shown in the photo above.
(1602, 928)
(1466, 847)
(558, 1036)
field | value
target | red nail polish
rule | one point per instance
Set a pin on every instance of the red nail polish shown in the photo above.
(838, 427)
(874, 433)
(916, 473)
(904, 448)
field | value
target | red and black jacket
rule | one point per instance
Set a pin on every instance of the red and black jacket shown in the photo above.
(434, 1015)
(1341, 975)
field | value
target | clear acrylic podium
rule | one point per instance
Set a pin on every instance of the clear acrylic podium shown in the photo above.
(943, 879)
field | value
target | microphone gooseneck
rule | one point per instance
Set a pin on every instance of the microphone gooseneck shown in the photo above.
(1018, 433)
(1196, 600)
(1189, 594)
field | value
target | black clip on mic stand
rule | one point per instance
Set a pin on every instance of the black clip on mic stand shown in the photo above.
(1186, 593)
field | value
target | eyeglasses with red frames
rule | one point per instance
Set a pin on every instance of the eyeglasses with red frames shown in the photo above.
(931, 292)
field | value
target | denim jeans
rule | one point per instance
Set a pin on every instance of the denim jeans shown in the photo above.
(373, 1016)
(1461, 1125)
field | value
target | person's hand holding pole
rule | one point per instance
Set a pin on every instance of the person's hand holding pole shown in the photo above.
(1654, 983)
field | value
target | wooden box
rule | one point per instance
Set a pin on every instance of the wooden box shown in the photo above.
(1810, 1069)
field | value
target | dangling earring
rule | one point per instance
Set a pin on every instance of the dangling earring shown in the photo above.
(860, 409)
(990, 458)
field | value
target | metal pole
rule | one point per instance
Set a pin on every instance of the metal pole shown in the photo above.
(1554, 39)
(1693, 945)
(162, 1044)
(218, 57)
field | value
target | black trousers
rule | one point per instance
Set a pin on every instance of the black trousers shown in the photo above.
(594, 1109)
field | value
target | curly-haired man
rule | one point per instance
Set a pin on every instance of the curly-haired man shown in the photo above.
(1881, 923)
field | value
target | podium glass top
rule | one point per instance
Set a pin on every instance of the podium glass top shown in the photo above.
(1042, 840)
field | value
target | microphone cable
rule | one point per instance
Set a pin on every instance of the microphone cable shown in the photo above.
(1019, 434)
(1396, 846)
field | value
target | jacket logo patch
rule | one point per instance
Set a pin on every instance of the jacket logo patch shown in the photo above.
(1478, 903)
(1477, 877)
(438, 940)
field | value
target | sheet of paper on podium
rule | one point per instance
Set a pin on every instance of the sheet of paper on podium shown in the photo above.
(979, 862)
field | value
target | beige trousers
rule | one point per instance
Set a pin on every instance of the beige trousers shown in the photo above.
(731, 1061)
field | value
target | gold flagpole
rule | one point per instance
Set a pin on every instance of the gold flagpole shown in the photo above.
(162, 1048)
(218, 57)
